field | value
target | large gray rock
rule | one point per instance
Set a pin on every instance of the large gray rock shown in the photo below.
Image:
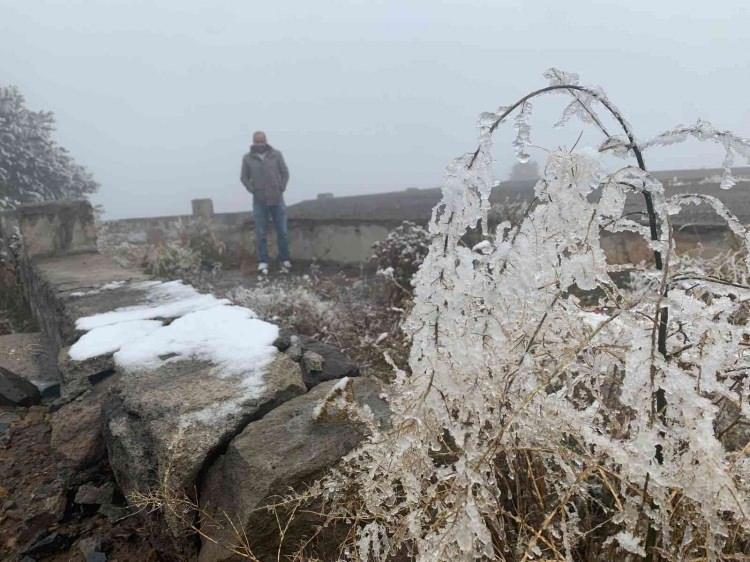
(286, 449)
(16, 391)
(162, 426)
(77, 428)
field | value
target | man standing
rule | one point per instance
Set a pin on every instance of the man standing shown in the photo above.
(265, 175)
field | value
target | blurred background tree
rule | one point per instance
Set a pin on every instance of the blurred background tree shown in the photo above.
(33, 166)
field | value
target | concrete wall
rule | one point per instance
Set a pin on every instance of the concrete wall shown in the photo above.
(351, 240)
(57, 228)
(340, 241)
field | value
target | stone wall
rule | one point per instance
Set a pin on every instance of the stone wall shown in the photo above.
(338, 241)
(349, 241)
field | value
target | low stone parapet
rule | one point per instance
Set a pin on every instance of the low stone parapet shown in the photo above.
(57, 228)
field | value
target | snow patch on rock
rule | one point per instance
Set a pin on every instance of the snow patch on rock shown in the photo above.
(230, 337)
(111, 338)
(204, 328)
(164, 300)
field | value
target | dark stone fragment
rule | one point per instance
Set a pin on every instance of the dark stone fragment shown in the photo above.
(335, 365)
(90, 548)
(284, 340)
(95, 495)
(51, 392)
(285, 450)
(48, 544)
(5, 434)
(17, 391)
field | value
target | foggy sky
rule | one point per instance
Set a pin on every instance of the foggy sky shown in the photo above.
(159, 98)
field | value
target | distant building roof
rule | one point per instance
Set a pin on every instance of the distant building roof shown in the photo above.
(416, 204)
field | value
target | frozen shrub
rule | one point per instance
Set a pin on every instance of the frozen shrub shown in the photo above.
(510, 210)
(15, 315)
(536, 425)
(335, 310)
(172, 259)
(298, 308)
(199, 253)
(203, 240)
(398, 257)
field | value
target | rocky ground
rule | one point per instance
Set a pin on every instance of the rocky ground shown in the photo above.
(58, 502)
(52, 510)
(58, 497)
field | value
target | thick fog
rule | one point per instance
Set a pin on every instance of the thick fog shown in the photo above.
(159, 99)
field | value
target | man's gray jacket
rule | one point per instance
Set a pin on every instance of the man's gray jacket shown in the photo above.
(265, 176)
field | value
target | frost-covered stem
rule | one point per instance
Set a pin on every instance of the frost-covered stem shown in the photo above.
(653, 224)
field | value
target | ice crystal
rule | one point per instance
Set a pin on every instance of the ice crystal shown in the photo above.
(704, 131)
(523, 133)
(557, 77)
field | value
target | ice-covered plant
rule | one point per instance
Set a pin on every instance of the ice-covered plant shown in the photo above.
(172, 260)
(539, 425)
(198, 253)
(201, 238)
(398, 257)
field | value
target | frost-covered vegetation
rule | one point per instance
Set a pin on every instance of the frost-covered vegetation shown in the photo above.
(550, 414)
(33, 167)
(397, 258)
(198, 253)
(353, 313)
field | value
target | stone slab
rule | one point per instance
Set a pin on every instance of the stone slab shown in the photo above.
(287, 449)
(163, 426)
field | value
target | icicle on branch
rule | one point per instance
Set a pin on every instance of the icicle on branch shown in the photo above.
(704, 131)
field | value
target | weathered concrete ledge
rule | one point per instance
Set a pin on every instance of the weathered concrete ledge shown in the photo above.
(57, 228)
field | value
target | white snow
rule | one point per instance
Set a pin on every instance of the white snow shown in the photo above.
(108, 339)
(209, 414)
(228, 336)
(330, 397)
(204, 328)
(165, 300)
(340, 385)
(106, 287)
(483, 247)
(630, 543)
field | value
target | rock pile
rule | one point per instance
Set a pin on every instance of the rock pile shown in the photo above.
(219, 426)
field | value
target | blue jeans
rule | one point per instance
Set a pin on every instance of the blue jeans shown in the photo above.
(261, 213)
